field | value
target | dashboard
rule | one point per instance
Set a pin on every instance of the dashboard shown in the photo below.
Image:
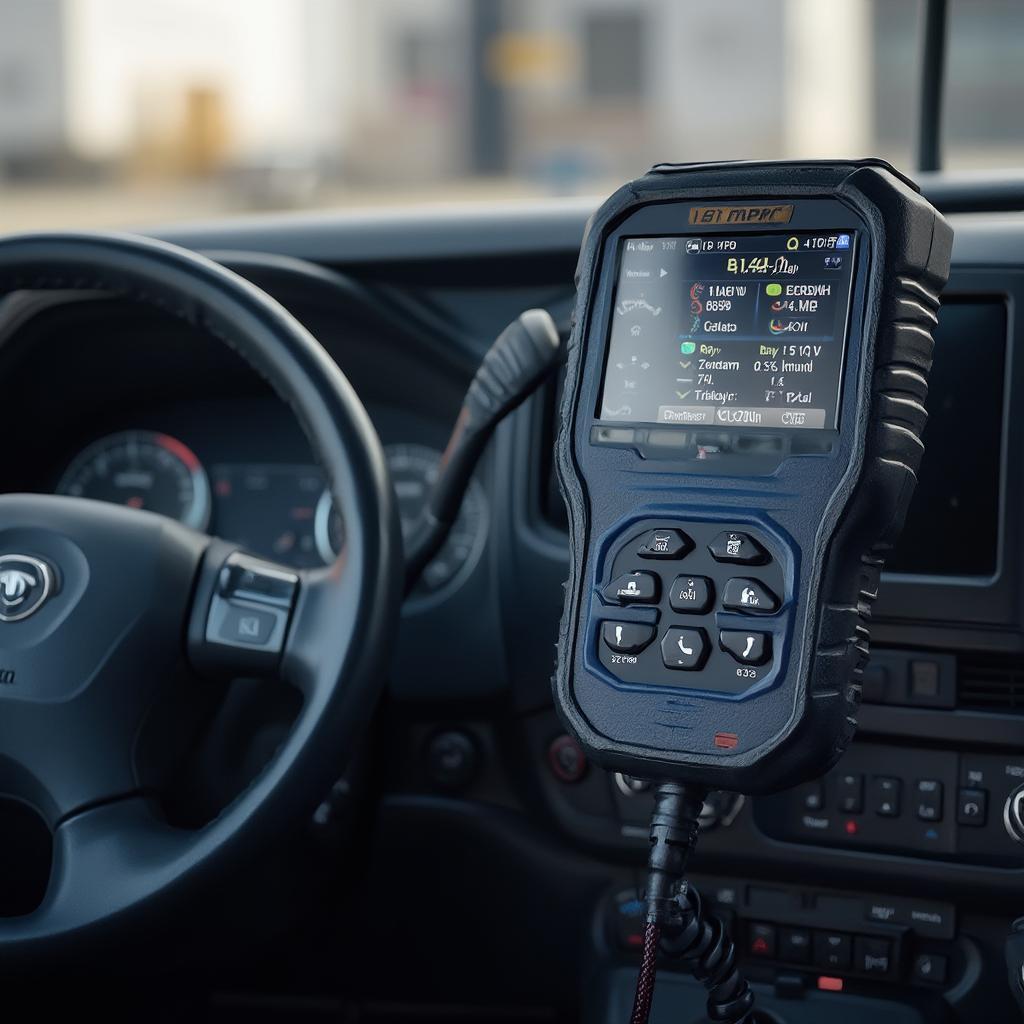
(895, 877)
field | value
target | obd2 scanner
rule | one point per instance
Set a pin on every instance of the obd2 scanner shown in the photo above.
(739, 437)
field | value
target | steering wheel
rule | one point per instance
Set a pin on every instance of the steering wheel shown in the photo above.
(101, 605)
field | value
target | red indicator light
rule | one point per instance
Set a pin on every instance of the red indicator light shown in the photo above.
(851, 828)
(635, 940)
(827, 984)
(726, 740)
(759, 946)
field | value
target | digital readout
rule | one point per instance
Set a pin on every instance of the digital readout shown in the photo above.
(730, 331)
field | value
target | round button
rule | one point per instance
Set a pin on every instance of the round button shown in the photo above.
(1013, 814)
(567, 760)
(452, 759)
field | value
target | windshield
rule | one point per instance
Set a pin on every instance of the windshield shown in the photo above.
(120, 112)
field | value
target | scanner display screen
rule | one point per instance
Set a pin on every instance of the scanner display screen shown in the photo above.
(742, 331)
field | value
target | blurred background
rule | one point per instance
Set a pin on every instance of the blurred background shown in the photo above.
(131, 112)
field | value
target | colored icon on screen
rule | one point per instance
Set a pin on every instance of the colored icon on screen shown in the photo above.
(687, 348)
(773, 289)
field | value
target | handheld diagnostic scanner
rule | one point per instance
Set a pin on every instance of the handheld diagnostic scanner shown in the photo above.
(739, 436)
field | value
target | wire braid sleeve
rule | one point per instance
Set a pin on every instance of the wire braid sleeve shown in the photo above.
(645, 980)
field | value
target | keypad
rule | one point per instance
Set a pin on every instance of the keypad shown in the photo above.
(698, 627)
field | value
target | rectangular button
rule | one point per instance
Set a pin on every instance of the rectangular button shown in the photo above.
(795, 945)
(872, 956)
(761, 940)
(247, 625)
(885, 796)
(851, 793)
(832, 950)
(928, 800)
(813, 794)
(972, 807)
(924, 680)
(931, 967)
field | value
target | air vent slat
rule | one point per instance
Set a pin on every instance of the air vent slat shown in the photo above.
(991, 685)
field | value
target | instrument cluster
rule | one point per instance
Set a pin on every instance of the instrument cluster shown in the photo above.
(278, 510)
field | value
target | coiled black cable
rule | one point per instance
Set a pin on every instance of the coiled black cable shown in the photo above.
(677, 924)
(703, 944)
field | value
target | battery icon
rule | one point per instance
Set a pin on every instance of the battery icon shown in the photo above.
(773, 289)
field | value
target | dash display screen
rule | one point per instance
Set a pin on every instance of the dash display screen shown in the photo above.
(730, 331)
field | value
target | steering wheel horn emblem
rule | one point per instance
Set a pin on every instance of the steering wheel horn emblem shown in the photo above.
(25, 584)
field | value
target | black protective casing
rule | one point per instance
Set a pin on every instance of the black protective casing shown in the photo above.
(830, 510)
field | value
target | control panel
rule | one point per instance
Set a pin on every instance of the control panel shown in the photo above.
(840, 937)
(700, 605)
(922, 802)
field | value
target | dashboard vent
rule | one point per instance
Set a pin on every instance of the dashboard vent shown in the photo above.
(991, 684)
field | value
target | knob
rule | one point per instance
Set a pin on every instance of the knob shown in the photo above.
(1013, 814)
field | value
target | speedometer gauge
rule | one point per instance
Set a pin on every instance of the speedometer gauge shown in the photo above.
(413, 472)
(145, 470)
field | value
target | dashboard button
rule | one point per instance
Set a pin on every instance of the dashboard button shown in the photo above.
(851, 793)
(743, 595)
(746, 648)
(928, 800)
(885, 796)
(730, 546)
(795, 945)
(567, 760)
(832, 950)
(627, 637)
(872, 956)
(931, 967)
(664, 544)
(972, 807)
(761, 940)
(633, 588)
(691, 594)
(247, 625)
(684, 649)
(813, 796)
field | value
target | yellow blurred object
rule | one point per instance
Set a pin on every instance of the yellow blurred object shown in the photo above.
(531, 58)
(205, 135)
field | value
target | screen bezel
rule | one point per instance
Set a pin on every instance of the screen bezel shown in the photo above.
(844, 329)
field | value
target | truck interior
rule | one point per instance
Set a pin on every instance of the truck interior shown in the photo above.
(253, 258)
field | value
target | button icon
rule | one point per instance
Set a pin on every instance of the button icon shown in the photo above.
(746, 648)
(684, 649)
(633, 588)
(664, 544)
(690, 594)
(627, 637)
(746, 595)
(732, 546)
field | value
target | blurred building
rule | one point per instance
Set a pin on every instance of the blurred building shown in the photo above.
(33, 94)
(273, 100)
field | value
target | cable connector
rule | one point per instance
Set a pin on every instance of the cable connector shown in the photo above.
(674, 831)
(676, 922)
